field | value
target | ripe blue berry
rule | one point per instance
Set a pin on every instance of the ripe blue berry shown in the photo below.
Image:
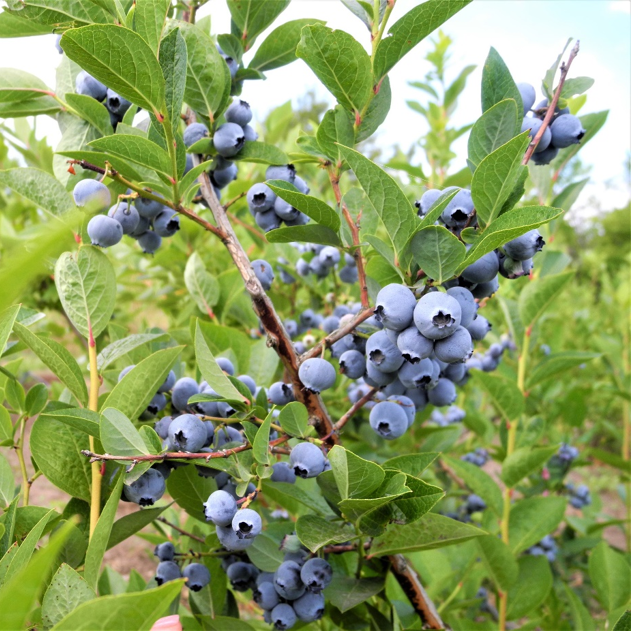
(317, 374)
(242, 576)
(283, 473)
(444, 393)
(168, 383)
(427, 200)
(116, 104)
(287, 580)
(309, 607)
(383, 353)
(197, 576)
(147, 489)
(406, 404)
(455, 348)
(167, 223)
(183, 390)
(220, 508)
(528, 96)
(229, 139)
(222, 177)
(239, 112)
(104, 231)
(423, 374)
(306, 460)
(437, 315)
(126, 215)
(283, 617)
(265, 595)
(260, 198)
(566, 130)
(167, 571)
(352, 364)
(264, 272)
(280, 393)
(394, 307)
(389, 420)
(316, 574)
(164, 551)
(468, 305)
(250, 133)
(456, 213)
(534, 124)
(483, 270)
(267, 221)
(525, 246)
(161, 427)
(247, 523)
(148, 208)
(93, 194)
(149, 242)
(87, 85)
(187, 433)
(194, 133)
(329, 256)
(413, 345)
(285, 172)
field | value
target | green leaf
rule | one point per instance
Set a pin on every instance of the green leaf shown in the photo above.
(18, 596)
(279, 47)
(173, 63)
(592, 124)
(537, 296)
(190, 490)
(335, 129)
(32, 107)
(119, 436)
(39, 187)
(412, 464)
(581, 617)
(288, 494)
(340, 62)
(316, 532)
(6, 428)
(438, 252)
(18, 85)
(210, 369)
(6, 555)
(149, 20)
(623, 624)
(346, 592)
(411, 29)
(313, 207)
(531, 588)
(99, 158)
(294, 419)
(86, 284)
(263, 363)
(498, 83)
(11, 25)
(101, 535)
(58, 359)
(480, 482)
(496, 177)
(548, 80)
(138, 150)
(231, 46)
(575, 86)
(377, 111)
(260, 446)
(92, 111)
(523, 462)
(224, 623)
(492, 130)
(78, 418)
(436, 209)
(265, 553)
(557, 363)
(611, 576)
(36, 399)
(504, 394)
(311, 233)
(389, 201)
(7, 482)
(261, 153)
(499, 561)
(355, 476)
(132, 393)
(566, 198)
(124, 612)
(130, 68)
(430, 532)
(129, 525)
(532, 519)
(252, 17)
(67, 590)
(207, 75)
(392, 488)
(507, 227)
(122, 347)
(7, 319)
(202, 285)
(412, 506)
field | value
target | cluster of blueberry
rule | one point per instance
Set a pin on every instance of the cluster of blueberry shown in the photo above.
(579, 495)
(454, 414)
(473, 504)
(116, 105)
(564, 131)
(197, 575)
(479, 457)
(565, 456)
(546, 547)
(268, 209)
(325, 259)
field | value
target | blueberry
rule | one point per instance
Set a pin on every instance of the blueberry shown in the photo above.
(534, 124)
(162, 427)
(242, 576)
(247, 523)
(164, 551)
(104, 231)
(147, 489)
(389, 420)
(300, 220)
(423, 374)
(427, 200)
(210, 433)
(309, 319)
(349, 274)
(286, 172)
(194, 133)
(250, 133)
(126, 215)
(264, 272)
(418, 397)
(226, 365)
(413, 345)
(220, 508)
(189, 163)
(187, 433)
(468, 305)
(566, 130)
(382, 353)
(309, 607)
(260, 198)
(148, 208)
(317, 374)
(510, 268)
(283, 617)
(60, 50)
(301, 185)
(167, 223)
(457, 211)
(352, 364)
(485, 290)
(87, 85)
(394, 388)
(483, 270)
(394, 307)
(93, 194)
(249, 382)
(330, 324)
(167, 571)
(546, 156)
(197, 576)
(437, 315)
(157, 404)
(316, 574)
(183, 390)
(229, 139)
(377, 379)
(287, 580)
(144, 225)
(475, 504)
(267, 221)
(280, 393)
(444, 393)
(406, 404)
(306, 460)
(265, 595)
(525, 246)
(329, 256)
(239, 112)
(116, 104)
(222, 177)
(232, 64)
(283, 473)
(455, 348)
(557, 110)
(291, 326)
(528, 96)
(168, 383)
(226, 434)
(149, 242)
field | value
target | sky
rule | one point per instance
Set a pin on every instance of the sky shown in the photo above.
(528, 34)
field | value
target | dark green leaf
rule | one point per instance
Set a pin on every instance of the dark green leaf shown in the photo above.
(377, 111)
(202, 286)
(120, 348)
(345, 592)
(92, 111)
(480, 482)
(438, 252)
(32, 107)
(313, 207)
(335, 129)
(18, 85)
(265, 553)
(355, 476)
(412, 464)
(173, 63)
(499, 561)
(260, 446)
(119, 436)
(261, 153)
(129, 525)
(11, 25)
(190, 490)
(78, 418)
(498, 83)
(7, 482)
(504, 394)
(532, 519)
(252, 17)
(523, 462)
(315, 532)
(7, 319)
(149, 21)
(623, 624)
(611, 576)
(492, 130)
(575, 86)
(67, 590)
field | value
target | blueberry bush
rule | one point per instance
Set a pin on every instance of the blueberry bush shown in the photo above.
(334, 391)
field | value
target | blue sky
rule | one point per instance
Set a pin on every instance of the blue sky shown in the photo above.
(528, 34)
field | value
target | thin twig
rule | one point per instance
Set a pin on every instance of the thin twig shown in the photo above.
(190, 535)
(355, 407)
(565, 68)
(234, 200)
(340, 548)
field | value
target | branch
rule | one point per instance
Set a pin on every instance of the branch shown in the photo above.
(181, 531)
(411, 584)
(565, 68)
(355, 407)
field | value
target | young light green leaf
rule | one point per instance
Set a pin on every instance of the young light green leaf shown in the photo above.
(492, 130)
(335, 129)
(557, 363)
(130, 68)
(39, 187)
(261, 153)
(389, 201)
(101, 535)
(279, 47)
(523, 462)
(92, 111)
(78, 418)
(7, 319)
(149, 20)
(340, 62)
(313, 207)
(532, 519)
(438, 252)
(346, 592)
(11, 25)
(539, 294)
(114, 351)
(202, 285)
(294, 419)
(355, 477)
(7, 482)
(581, 617)
(18, 85)
(498, 83)
(623, 623)
(504, 394)
(611, 576)
(252, 17)
(411, 29)
(132, 393)
(67, 590)
(32, 107)
(575, 86)
(86, 284)
(262, 363)
(173, 63)
(58, 359)
(496, 177)
(311, 233)
(6, 428)
(139, 610)
(260, 447)
(412, 464)
(480, 482)
(231, 46)
(119, 436)
(315, 532)
(377, 111)
(499, 561)
(533, 583)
